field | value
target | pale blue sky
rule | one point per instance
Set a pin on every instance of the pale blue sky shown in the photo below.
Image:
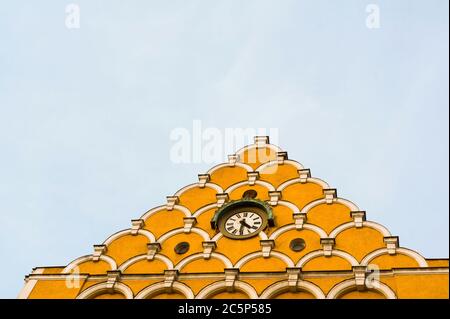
(85, 114)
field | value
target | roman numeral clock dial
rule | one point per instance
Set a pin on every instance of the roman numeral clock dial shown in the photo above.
(242, 223)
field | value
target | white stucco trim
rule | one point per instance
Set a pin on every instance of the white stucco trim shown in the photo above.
(319, 231)
(138, 258)
(213, 186)
(318, 253)
(285, 258)
(404, 251)
(350, 285)
(220, 286)
(283, 286)
(100, 288)
(159, 287)
(180, 230)
(227, 263)
(85, 258)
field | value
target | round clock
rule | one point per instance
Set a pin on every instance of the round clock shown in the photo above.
(243, 222)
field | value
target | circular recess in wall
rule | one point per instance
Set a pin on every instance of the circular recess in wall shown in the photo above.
(181, 248)
(297, 244)
(251, 193)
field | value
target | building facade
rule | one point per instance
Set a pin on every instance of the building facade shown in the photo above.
(257, 226)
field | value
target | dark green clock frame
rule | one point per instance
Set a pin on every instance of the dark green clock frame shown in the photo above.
(248, 202)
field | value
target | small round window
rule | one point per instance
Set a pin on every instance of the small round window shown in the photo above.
(251, 193)
(181, 248)
(297, 244)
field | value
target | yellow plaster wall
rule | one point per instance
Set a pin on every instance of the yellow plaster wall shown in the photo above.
(279, 174)
(302, 194)
(236, 249)
(368, 294)
(126, 247)
(294, 295)
(227, 176)
(163, 221)
(195, 246)
(327, 263)
(54, 289)
(264, 264)
(359, 242)
(94, 267)
(146, 267)
(329, 216)
(204, 266)
(312, 241)
(197, 197)
(255, 157)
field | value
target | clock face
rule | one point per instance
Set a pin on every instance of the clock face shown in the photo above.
(242, 223)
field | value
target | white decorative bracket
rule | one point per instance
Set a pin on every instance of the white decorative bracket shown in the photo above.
(261, 140)
(171, 202)
(136, 224)
(208, 248)
(359, 217)
(189, 222)
(304, 174)
(299, 219)
(360, 277)
(113, 277)
(232, 159)
(152, 249)
(170, 275)
(281, 157)
(275, 196)
(252, 177)
(98, 251)
(293, 274)
(221, 199)
(203, 179)
(327, 245)
(330, 195)
(392, 243)
(266, 247)
(231, 274)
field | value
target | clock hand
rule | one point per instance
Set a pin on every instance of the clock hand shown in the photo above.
(241, 229)
(243, 223)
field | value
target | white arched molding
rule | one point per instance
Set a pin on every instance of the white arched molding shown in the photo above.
(155, 210)
(83, 259)
(350, 285)
(267, 185)
(297, 180)
(289, 205)
(262, 167)
(180, 230)
(159, 287)
(226, 262)
(102, 288)
(319, 231)
(248, 168)
(252, 146)
(262, 235)
(213, 186)
(283, 286)
(125, 232)
(318, 202)
(285, 258)
(135, 259)
(380, 228)
(404, 251)
(220, 286)
(335, 252)
(204, 209)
